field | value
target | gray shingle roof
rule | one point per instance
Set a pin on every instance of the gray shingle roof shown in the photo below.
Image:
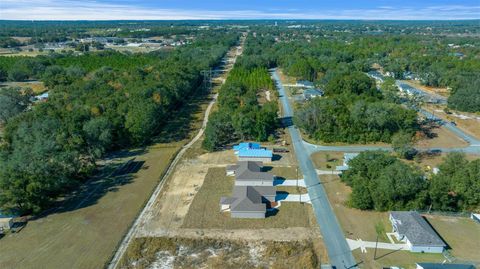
(426, 265)
(251, 171)
(249, 199)
(413, 226)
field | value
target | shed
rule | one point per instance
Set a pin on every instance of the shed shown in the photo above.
(256, 155)
(426, 265)
(411, 228)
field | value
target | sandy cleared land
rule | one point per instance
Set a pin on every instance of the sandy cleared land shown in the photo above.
(470, 125)
(442, 138)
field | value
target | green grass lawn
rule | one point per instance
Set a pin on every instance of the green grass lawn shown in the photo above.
(205, 212)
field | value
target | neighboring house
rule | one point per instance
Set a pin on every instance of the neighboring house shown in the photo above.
(246, 145)
(411, 228)
(256, 155)
(346, 159)
(248, 201)
(6, 221)
(312, 93)
(248, 173)
(475, 217)
(425, 265)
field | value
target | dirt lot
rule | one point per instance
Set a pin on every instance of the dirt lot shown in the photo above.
(327, 160)
(435, 90)
(161, 252)
(470, 125)
(440, 137)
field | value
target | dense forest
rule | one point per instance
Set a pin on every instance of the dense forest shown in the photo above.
(243, 109)
(49, 148)
(382, 182)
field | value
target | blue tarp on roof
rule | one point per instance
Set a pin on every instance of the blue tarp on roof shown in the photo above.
(246, 145)
(261, 153)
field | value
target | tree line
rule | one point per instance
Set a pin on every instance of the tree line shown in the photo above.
(49, 148)
(382, 182)
(241, 114)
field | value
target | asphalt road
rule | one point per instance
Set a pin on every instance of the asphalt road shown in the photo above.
(338, 250)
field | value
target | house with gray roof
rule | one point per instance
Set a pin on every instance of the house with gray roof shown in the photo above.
(248, 201)
(411, 228)
(427, 265)
(249, 173)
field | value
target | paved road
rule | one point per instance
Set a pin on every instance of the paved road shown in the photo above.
(338, 250)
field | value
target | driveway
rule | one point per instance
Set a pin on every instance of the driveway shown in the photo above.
(289, 182)
(287, 197)
(363, 245)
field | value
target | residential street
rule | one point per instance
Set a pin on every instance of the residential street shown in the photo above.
(338, 250)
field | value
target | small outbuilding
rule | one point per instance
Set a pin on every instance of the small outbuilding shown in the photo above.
(411, 228)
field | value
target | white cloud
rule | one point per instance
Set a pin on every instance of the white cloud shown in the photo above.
(95, 10)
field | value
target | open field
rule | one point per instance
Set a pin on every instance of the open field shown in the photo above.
(435, 90)
(36, 86)
(327, 160)
(441, 137)
(205, 213)
(86, 229)
(85, 232)
(160, 252)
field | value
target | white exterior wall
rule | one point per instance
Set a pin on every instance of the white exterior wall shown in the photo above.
(6, 223)
(253, 183)
(426, 249)
(248, 215)
(255, 159)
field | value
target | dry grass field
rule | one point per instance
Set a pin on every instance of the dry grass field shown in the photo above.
(204, 212)
(163, 252)
(85, 231)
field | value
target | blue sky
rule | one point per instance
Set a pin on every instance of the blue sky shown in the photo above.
(240, 9)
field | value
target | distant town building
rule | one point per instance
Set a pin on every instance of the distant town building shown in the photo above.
(475, 217)
(411, 228)
(312, 93)
(6, 221)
